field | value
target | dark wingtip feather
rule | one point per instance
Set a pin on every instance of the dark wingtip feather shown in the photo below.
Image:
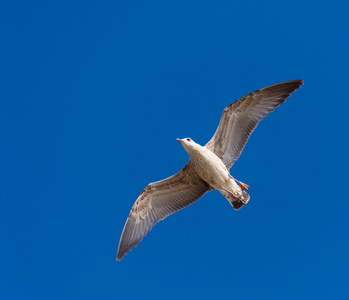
(282, 89)
(292, 84)
(297, 83)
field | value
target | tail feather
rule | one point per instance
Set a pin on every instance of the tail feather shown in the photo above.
(241, 201)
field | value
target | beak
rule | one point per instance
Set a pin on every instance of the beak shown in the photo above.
(179, 140)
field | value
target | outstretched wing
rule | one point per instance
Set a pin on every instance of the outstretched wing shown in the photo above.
(240, 118)
(157, 201)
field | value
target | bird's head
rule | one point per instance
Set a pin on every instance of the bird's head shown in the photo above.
(188, 144)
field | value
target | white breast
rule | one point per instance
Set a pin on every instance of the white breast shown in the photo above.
(209, 166)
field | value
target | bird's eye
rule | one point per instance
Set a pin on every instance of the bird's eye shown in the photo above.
(188, 140)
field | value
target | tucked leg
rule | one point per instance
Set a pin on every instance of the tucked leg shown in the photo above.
(242, 185)
(230, 193)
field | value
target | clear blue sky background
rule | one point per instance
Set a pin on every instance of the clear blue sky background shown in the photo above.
(93, 95)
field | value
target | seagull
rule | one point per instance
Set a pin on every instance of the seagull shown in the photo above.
(208, 166)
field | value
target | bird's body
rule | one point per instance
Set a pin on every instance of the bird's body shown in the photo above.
(208, 166)
(212, 170)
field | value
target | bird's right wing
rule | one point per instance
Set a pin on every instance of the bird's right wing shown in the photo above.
(157, 201)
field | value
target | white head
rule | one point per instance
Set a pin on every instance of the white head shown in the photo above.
(188, 144)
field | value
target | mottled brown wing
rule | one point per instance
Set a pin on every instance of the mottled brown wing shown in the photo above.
(240, 118)
(157, 201)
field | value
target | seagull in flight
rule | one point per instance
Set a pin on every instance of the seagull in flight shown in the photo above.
(208, 166)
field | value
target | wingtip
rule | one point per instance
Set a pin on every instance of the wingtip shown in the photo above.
(120, 256)
(289, 86)
(121, 253)
(297, 82)
(300, 82)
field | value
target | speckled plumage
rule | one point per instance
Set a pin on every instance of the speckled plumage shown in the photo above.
(208, 167)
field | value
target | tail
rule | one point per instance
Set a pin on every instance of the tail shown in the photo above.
(241, 201)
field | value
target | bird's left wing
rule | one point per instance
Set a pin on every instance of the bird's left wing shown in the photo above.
(240, 118)
(157, 201)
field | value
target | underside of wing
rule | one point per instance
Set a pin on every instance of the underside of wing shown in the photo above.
(240, 118)
(157, 201)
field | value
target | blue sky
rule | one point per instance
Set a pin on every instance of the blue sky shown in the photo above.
(93, 95)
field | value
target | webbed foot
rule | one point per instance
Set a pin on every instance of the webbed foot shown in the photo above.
(242, 185)
(235, 197)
